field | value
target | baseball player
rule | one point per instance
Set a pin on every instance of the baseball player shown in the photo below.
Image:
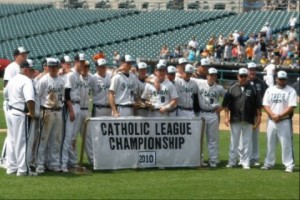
(72, 97)
(20, 95)
(87, 81)
(50, 90)
(180, 67)
(164, 98)
(171, 76)
(142, 75)
(201, 69)
(260, 87)
(122, 88)
(100, 89)
(20, 55)
(185, 89)
(244, 104)
(66, 63)
(270, 70)
(279, 102)
(209, 93)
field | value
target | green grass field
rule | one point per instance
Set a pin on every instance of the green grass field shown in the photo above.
(199, 183)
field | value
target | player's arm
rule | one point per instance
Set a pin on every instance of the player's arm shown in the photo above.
(31, 108)
(111, 98)
(291, 106)
(170, 106)
(5, 83)
(69, 104)
(227, 117)
(272, 115)
(225, 105)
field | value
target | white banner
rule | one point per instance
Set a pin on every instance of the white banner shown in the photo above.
(136, 142)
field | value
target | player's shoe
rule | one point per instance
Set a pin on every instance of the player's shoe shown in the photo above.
(55, 169)
(213, 165)
(230, 166)
(64, 170)
(8, 172)
(27, 173)
(204, 164)
(289, 169)
(3, 163)
(246, 167)
(40, 170)
(256, 164)
(265, 167)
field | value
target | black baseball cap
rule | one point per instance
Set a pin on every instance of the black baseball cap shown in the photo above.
(24, 64)
(79, 57)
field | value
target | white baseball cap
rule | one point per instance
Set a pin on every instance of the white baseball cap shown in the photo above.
(251, 65)
(182, 61)
(189, 69)
(281, 75)
(79, 57)
(204, 62)
(160, 66)
(30, 62)
(171, 70)
(272, 61)
(163, 61)
(212, 71)
(127, 58)
(87, 63)
(66, 59)
(243, 71)
(20, 50)
(142, 65)
(101, 62)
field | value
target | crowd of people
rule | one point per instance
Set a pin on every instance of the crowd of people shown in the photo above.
(283, 48)
(46, 111)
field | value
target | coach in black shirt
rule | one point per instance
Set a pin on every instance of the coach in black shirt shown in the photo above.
(243, 103)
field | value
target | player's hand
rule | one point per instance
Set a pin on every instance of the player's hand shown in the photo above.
(275, 118)
(219, 110)
(115, 114)
(72, 116)
(157, 85)
(227, 122)
(163, 110)
(31, 115)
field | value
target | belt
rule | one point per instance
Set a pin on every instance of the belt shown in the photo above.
(75, 102)
(183, 108)
(125, 106)
(209, 111)
(52, 109)
(84, 108)
(101, 106)
(11, 107)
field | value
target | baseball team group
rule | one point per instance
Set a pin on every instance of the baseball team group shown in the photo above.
(45, 111)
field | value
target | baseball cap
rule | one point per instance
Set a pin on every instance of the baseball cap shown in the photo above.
(171, 70)
(204, 62)
(182, 61)
(212, 71)
(79, 57)
(101, 62)
(50, 62)
(251, 65)
(189, 69)
(127, 58)
(160, 66)
(163, 61)
(243, 71)
(142, 65)
(272, 61)
(20, 50)
(87, 63)
(66, 59)
(25, 64)
(281, 75)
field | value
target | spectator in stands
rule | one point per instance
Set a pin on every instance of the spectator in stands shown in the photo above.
(292, 22)
(218, 53)
(99, 55)
(264, 60)
(230, 38)
(251, 39)
(284, 51)
(185, 51)
(267, 31)
(116, 58)
(177, 52)
(192, 55)
(288, 62)
(263, 47)
(256, 52)
(241, 52)
(293, 5)
(164, 52)
(221, 41)
(227, 51)
(234, 52)
(193, 43)
(280, 37)
(292, 34)
(249, 52)
(235, 36)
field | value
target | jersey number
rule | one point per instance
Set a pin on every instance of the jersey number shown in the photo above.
(162, 99)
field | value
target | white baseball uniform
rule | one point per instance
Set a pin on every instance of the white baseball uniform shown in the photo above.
(269, 78)
(209, 98)
(100, 90)
(278, 99)
(21, 90)
(10, 71)
(69, 158)
(50, 91)
(160, 98)
(185, 90)
(87, 82)
(124, 87)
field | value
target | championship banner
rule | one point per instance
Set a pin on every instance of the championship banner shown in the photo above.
(135, 142)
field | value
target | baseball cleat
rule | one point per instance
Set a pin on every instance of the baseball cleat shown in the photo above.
(265, 167)
(64, 170)
(289, 169)
(229, 166)
(39, 170)
(246, 167)
(213, 165)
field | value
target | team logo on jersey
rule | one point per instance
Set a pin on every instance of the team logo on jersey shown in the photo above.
(248, 92)
(186, 89)
(278, 97)
(129, 86)
(258, 86)
(210, 94)
(102, 87)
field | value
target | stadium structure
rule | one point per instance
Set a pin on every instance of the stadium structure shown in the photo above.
(136, 27)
